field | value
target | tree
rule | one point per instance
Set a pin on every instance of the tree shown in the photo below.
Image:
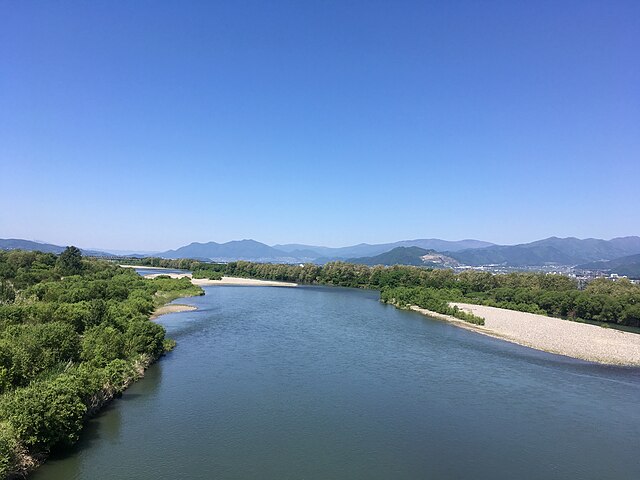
(7, 292)
(102, 344)
(70, 261)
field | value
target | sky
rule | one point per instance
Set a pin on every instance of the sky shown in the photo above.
(148, 125)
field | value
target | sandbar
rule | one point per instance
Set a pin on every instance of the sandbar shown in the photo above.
(145, 267)
(171, 308)
(247, 282)
(237, 281)
(554, 335)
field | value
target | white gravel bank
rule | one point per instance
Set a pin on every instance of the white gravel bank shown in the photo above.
(564, 337)
(204, 282)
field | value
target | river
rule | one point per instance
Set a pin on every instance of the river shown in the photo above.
(328, 383)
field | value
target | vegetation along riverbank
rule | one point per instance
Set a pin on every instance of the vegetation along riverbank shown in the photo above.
(74, 333)
(616, 304)
(561, 318)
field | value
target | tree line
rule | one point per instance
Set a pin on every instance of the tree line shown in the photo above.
(601, 301)
(178, 263)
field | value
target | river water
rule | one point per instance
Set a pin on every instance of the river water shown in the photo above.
(328, 383)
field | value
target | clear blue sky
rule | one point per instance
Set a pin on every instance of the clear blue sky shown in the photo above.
(149, 124)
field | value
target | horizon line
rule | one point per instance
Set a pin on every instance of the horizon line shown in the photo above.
(274, 245)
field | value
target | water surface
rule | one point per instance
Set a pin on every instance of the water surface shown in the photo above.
(159, 271)
(327, 383)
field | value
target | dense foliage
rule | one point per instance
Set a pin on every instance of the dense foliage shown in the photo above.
(434, 299)
(557, 295)
(179, 263)
(73, 333)
(396, 256)
(210, 271)
(629, 266)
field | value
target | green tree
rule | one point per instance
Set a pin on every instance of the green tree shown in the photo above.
(102, 344)
(46, 413)
(70, 261)
(7, 292)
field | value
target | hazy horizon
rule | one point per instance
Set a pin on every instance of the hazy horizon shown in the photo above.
(127, 251)
(150, 125)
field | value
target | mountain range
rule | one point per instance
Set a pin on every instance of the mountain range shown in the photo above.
(20, 244)
(559, 251)
(366, 249)
(629, 266)
(235, 250)
(553, 250)
(408, 256)
(294, 253)
(429, 252)
(396, 256)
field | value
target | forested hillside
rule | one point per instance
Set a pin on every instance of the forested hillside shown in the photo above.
(74, 333)
(561, 251)
(629, 266)
(397, 256)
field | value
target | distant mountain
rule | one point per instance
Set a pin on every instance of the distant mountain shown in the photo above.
(629, 244)
(443, 245)
(20, 244)
(592, 248)
(306, 256)
(365, 249)
(252, 250)
(128, 253)
(561, 251)
(293, 247)
(407, 256)
(235, 250)
(554, 250)
(514, 256)
(396, 256)
(333, 253)
(629, 266)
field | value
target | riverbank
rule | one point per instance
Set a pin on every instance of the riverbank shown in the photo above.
(554, 335)
(236, 281)
(244, 282)
(171, 308)
(24, 462)
(163, 306)
(20, 462)
(146, 267)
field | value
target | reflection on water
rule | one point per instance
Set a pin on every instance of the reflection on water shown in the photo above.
(317, 383)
